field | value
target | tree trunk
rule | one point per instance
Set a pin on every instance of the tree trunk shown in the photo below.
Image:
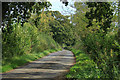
(119, 22)
(119, 31)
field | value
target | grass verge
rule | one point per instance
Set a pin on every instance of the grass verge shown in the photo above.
(84, 67)
(17, 61)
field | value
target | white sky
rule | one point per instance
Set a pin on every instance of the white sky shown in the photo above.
(59, 6)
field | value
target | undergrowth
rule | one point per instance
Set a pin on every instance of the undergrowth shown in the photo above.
(84, 67)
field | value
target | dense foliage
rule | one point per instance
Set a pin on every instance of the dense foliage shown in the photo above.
(26, 39)
(56, 25)
(102, 48)
(20, 11)
(101, 13)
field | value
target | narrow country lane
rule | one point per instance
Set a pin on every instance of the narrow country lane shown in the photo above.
(51, 67)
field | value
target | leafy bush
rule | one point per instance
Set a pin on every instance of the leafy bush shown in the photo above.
(24, 40)
(17, 42)
(104, 50)
(84, 67)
